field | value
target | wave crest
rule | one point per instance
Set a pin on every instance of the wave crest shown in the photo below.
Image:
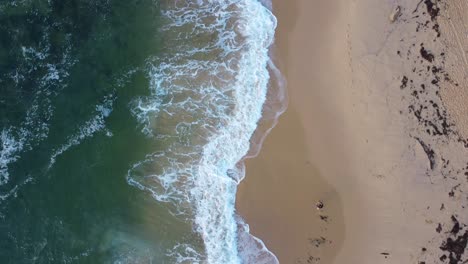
(206, 99)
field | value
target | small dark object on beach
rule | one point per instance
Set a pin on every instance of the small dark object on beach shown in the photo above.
(439, 228)
(429, 152)
(436, 28)
(456, 226)
(312, 259)
(432, 9)
(435, 69)
(424, 249)
(416, 9)
(324, 218)
(427, 55)
(319, 205)
(404, 82)
(317, 242)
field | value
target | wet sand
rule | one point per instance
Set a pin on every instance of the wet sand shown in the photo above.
(283, 183)
(287, 184)
(365, 132)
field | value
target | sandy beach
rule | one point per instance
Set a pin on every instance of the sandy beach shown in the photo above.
(375, 130)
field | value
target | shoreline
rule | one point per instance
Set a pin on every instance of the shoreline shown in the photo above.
(351, 137)
(290, 120)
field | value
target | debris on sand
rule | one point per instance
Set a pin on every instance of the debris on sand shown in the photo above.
(319, 205)
(426, 54)
(455, 247)
(429, 152)
(324, 218)
(395, 14)
(317, 242)
(456, 226)
(432, 9)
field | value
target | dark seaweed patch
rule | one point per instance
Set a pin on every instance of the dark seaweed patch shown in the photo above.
(456, 226)
(432, 9)
(427, 55)
(404, 82)
(429, 152)
(455, 247)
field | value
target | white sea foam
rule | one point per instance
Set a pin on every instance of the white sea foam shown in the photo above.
(206, 100)
(9, 152)
(14, 140)
(89, 128)
(184, 253)
(252, 249)
(14, 190)
(35, 125)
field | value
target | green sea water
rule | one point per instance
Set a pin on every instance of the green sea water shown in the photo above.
(63, 64)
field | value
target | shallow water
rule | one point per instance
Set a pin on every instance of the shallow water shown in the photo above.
(121, 126)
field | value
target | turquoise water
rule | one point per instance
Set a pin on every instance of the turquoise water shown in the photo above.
(121, 126)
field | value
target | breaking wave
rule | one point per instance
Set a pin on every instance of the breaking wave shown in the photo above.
(207, 94)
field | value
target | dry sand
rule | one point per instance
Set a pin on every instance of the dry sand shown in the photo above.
(367, 133)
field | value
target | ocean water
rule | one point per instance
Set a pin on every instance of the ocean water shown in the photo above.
(122, 124)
